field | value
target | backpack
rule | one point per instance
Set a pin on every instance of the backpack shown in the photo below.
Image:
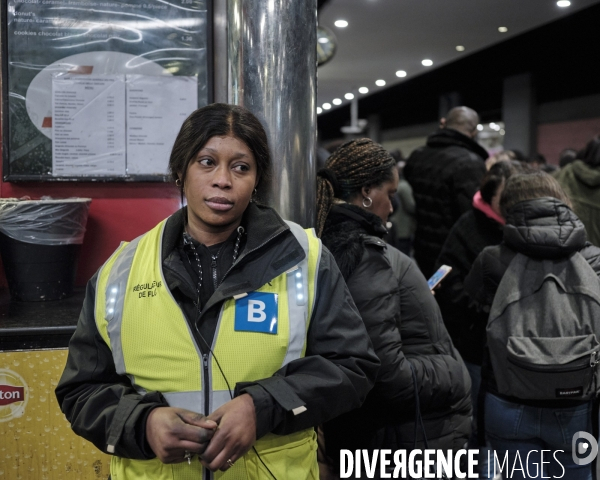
(542, 329)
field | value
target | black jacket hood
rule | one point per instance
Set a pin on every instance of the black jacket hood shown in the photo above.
(446, 137)
(346, 230)
(544, 228)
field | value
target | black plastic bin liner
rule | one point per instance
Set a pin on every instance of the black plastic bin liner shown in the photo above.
(40, 242)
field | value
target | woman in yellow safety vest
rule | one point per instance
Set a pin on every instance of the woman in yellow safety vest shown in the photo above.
(216, 341)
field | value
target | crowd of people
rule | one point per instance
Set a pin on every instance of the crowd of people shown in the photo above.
(476, 219)
(266, 349)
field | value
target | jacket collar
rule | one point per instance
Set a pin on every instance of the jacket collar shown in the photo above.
(346, 212)
(446, 137)
(260, 222)
(544, 228)
(256, 264)
(481, 205)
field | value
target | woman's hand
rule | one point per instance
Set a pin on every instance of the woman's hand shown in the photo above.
(172, 432)
(235, 435)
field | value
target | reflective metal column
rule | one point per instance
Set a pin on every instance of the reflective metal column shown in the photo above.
(272, 70)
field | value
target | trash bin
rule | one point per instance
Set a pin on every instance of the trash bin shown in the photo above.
(40, 242)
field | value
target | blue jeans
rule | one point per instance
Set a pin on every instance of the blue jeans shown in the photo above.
(482, 459)
(475, 374)
(512, 427)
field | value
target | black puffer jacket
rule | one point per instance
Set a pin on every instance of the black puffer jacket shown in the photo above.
(405, 327)
(540, 228)
(444, 176)
(465, 323)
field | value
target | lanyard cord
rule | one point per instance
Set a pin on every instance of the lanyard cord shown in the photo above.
(187, 240)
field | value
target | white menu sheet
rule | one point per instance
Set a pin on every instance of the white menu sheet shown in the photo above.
(156, 108)
(88, 125)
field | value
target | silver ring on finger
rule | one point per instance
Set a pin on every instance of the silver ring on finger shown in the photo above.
(188, 456)
(229, 462)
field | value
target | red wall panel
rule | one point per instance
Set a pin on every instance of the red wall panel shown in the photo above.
(118, 212)
(553, 138)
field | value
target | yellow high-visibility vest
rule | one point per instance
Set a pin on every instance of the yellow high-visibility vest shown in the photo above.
(153, 346)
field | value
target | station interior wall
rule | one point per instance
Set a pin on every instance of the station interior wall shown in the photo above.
(120, 211)
(552, 138)
(569, 123)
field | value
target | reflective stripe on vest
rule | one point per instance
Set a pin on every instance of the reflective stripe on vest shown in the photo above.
(152, 343)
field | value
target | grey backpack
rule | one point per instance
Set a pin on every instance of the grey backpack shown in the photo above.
(542, 329)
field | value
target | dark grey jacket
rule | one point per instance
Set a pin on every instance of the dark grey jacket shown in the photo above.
(444, 176)
(334, 377)
(540, 228)
(465, 323)
(405, 326)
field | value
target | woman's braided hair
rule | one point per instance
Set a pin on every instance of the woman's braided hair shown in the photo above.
(355, 164)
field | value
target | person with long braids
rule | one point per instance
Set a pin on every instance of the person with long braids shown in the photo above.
(403, 321)
(209, 343)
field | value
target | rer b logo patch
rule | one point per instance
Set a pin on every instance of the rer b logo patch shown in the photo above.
(256, 312)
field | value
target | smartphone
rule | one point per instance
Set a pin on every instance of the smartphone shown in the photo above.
(438, 276)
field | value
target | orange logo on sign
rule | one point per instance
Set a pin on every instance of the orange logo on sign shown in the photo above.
(13, 395)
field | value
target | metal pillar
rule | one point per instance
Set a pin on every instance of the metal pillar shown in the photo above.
(519, 113)
(272, 67)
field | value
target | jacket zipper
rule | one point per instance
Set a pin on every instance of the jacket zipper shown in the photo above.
(213, 265)
(206, 400)
(581, 364)
(206, 384)
(207, 473)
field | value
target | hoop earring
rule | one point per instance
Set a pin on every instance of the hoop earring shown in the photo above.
(253, 197)
(365, 202)
(178, 182)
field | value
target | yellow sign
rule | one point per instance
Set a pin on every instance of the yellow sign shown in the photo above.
(37, 441)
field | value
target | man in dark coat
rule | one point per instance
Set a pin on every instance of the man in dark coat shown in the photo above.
(444, 176)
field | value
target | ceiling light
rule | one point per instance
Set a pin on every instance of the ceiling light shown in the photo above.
(326, 106)
(401, 73)
(349, 96)
(480, 127)
(319, 110)
(460, 48)
(337, 101)
(363, 90)
(380, 83)
(563, 3)
(427, 63)
(502, 29)
(323, 39)
(502, 131)
(341, 23)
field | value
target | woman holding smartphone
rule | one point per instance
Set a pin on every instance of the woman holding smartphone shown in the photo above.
(400, 313)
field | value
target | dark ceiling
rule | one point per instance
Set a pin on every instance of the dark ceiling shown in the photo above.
(562, 56)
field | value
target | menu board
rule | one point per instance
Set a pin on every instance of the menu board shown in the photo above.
(88, 124)
(98, 89)
(156, 108)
